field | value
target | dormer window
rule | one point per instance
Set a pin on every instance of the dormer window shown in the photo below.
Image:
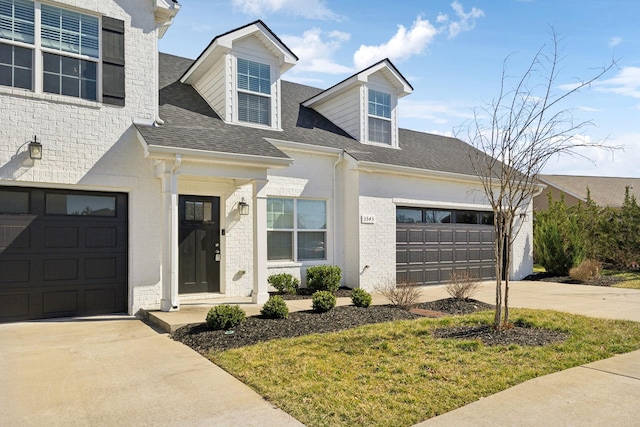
(254, 92)
(379, 117)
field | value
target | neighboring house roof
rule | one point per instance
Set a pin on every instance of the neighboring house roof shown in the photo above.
(189, 122)
(605, 191)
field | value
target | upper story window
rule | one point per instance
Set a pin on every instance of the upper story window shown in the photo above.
(254, 92)
(53, 50)
(379, 117)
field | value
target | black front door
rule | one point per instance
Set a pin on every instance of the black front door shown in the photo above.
(199, 235)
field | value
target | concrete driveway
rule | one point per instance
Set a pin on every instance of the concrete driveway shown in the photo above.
(117, 371)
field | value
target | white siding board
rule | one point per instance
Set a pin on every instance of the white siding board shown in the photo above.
(344, 111)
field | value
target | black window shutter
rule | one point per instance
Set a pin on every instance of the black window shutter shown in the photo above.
(112, 61)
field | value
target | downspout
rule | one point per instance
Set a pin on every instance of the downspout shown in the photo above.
(335, 209)
(174, 231)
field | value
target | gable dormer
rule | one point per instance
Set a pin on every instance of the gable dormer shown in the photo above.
(366, 104)
(238, 74)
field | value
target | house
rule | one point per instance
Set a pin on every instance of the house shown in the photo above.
(163, 179)
(604, 190)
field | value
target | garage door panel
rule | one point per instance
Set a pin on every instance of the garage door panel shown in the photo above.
(415, 276)
(101, 268)
(446, 255)
(101, 237)
(416, 256)
(462, 236)
(14, 306)
(432, 256)
(14, 237)
(446, 236)
(416, 237)
(60, 269)
(431, 236)
(14, 270)
(60, 237)
(63, 264)
(60, 302)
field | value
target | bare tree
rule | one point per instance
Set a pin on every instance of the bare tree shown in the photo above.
(513, 137)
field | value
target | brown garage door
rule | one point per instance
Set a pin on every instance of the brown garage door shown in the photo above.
(62, 253)
(431, 244)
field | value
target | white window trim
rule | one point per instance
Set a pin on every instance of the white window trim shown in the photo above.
(393, 143)
(295, 230)
(274, 122)
(38, 62)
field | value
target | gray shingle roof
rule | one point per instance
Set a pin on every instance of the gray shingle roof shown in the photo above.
(605, 190)
(189, 122)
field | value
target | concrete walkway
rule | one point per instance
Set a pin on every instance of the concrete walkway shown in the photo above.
(118, 371)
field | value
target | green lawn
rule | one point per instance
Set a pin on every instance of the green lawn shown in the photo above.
(631, 278)
(398, 374)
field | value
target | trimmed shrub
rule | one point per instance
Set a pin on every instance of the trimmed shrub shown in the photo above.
(462, 285)
(284, 283)
(225, 316)
(360, 298)
(323, 301)
(275, 308)
(402, 295)
(586, 270)
(324, 278)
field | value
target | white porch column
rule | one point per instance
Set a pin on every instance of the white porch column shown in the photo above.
(260, 292)
(169, 300)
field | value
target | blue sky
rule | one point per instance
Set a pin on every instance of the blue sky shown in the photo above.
(452, 52)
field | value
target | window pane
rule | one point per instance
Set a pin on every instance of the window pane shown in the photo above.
(280, 213)
(254, 76)
(189, 211)
(379, 130)
(279, 245)
(199, 211)
(435, 217)
(466, 217)
(17, 20)
(51, 83)
(76, 204)
(16, 64)
(14, 202)
(311, 245)
(69, 31)
(486, 218)
(408, 215)
(312, 214)
(254, 109)
(62, 76)
(207, 211)
(379, 104)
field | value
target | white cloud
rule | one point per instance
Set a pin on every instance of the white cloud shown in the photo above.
(626, 82)
(403, 44)
(615, 41)
(601, 162)
(406, 43)
(312, 9)
(465, 22)
(316, 52)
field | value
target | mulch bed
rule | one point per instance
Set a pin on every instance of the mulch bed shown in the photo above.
(595, 281)
(256, 329)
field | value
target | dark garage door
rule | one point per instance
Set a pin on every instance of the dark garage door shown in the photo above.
(62, 253)
(431, 244)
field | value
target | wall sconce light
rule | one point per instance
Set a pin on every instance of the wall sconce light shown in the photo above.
(35, 149)
(243, 207)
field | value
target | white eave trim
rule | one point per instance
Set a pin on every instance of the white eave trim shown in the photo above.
(402, 86)
(165, 11)
(307, 148)
(365, 166)
(158, 152)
